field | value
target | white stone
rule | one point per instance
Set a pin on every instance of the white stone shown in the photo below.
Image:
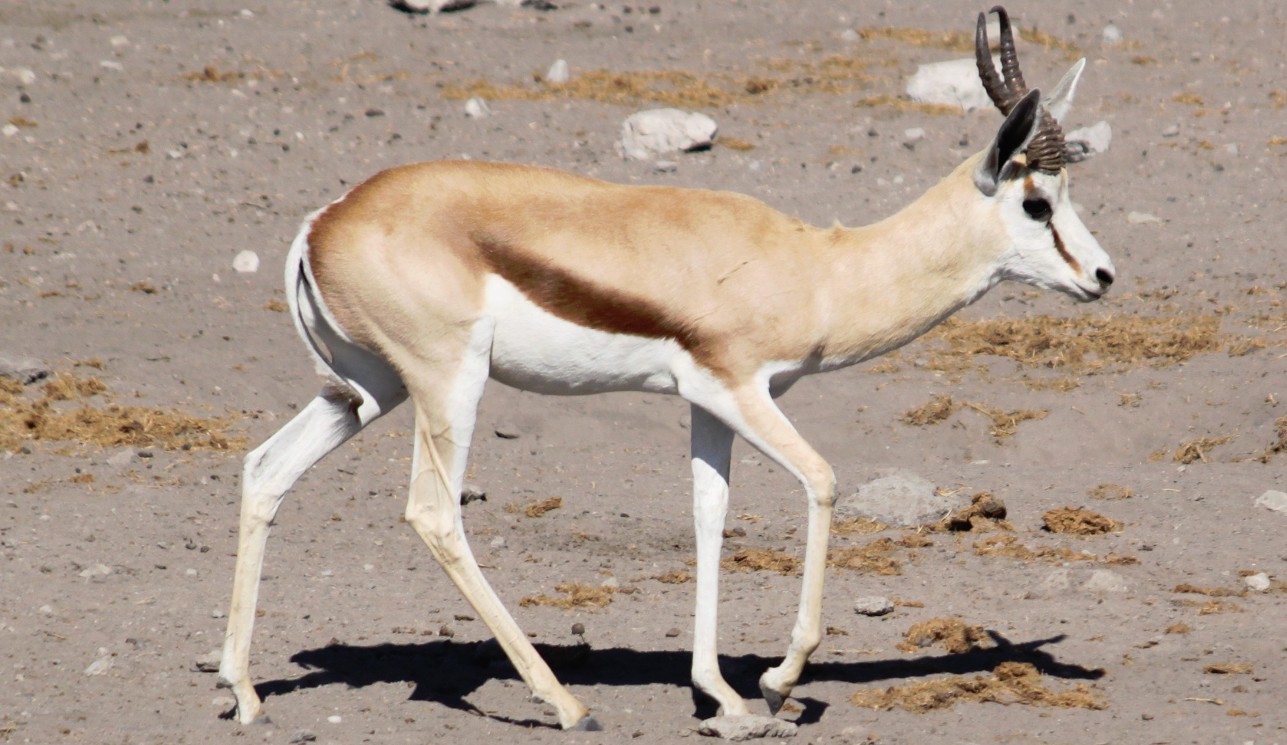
(98, 570)
(746, 727)
(1091, 140)
(902, 498)
(246, 262)
(873, 606)
(953, 83)
(1142, 218)
(1103, 580)
(477, 108)
(1258, 581)
(558, 72)
(23, 75)
(648, 134)
(99, 666)
(1274, 500)
(1111, 34)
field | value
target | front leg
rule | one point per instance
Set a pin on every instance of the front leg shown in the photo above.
(765, 427)
(749, 411)
(712, 446)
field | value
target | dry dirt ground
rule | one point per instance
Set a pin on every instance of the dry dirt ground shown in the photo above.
(148, 142)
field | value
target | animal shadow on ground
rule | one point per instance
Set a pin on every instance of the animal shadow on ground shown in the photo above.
(448, 672)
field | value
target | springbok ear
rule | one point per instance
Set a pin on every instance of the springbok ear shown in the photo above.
(1015, 133)
(1060, 100)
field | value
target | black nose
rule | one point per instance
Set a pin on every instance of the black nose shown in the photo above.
(1105, 277)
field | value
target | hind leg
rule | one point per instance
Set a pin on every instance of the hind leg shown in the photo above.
(269, 471)
(445, 416)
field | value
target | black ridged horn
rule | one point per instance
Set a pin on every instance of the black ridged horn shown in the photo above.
(1046, 151)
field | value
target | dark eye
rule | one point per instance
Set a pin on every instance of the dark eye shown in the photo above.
(1037, 209)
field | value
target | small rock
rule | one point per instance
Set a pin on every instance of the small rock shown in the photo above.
(498, 542)
(558, 72)
(477, 108)
(1258, 581)
(471, 493)
(246, 262)
(903, 499)
(952, 83)
(99, 666)
(302, 736)
(1089, 141)
(208, 662)
(98, 570)
(1171, 131)
(25, 370)
(335, 719)
(23, 75)
(1274, 500)
(1142, 218)
(1111, 34)
(873, 606)
(431, 6)
(914, 134)
(746, 727)
(1103, 580)
(673, 632)
(648, 134)
(122, 457)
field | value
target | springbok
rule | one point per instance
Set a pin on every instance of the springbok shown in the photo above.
(428, 278)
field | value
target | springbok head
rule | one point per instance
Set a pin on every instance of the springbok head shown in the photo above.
(1025, 172)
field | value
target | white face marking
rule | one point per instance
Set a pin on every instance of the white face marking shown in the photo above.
(535, 350)
(1057, 253)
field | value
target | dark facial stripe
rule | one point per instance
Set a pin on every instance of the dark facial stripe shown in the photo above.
(1063, 251)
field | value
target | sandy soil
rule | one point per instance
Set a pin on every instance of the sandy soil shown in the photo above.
(150, 142)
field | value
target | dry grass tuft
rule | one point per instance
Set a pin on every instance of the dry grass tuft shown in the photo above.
(537, 508)
(1280, 443)
(936, 411)
(1010, 683)
(1111, 492)
(674, 577)
(1004, 424)
(61, 413)
(876, 557)
(1009, 546)
(1078, 521)
(955, 41)
(762, 560)
(1195, 450)
(952, 634)
(856, 526)
(576, 595)
(1211, 592)
(1178, 628)
(1083, 344)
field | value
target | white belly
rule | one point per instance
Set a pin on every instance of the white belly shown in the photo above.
(535, 350)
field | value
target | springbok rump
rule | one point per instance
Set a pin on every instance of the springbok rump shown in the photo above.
(429, 278)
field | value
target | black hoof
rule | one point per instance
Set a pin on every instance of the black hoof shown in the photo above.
(587, 724)
(773, 699)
